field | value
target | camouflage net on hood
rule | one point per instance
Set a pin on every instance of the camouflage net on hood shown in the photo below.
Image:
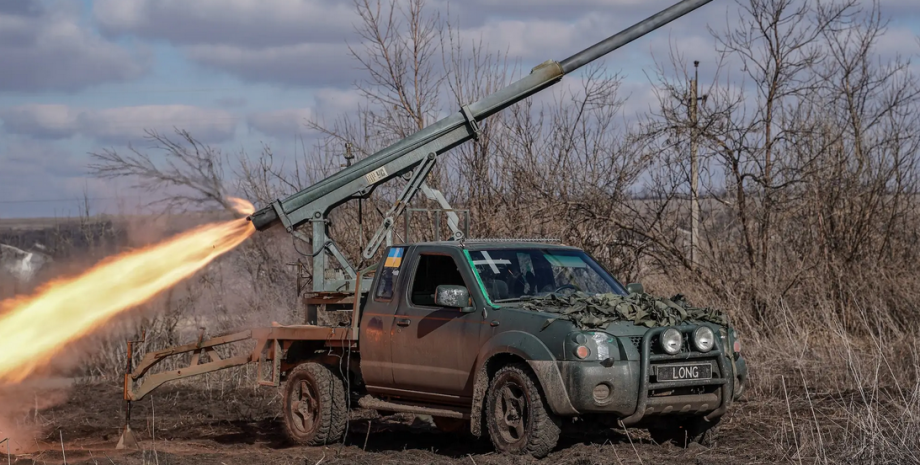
(597, 311)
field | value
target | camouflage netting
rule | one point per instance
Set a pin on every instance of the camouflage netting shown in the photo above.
(597, 311)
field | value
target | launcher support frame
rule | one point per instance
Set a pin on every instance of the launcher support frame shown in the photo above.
(357, 181)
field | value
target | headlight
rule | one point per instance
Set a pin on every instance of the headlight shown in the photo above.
(590, 345)
(703, 339)
(671, 341)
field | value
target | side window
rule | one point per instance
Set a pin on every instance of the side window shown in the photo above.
(433, 271)
(389, 274)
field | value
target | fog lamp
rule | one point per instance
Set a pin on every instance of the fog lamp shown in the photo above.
(671, 341)
(601, 392)
(703, 339)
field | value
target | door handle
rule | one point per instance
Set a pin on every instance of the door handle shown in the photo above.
(403, 322)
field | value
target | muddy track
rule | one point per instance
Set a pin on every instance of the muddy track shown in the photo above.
(243, 426)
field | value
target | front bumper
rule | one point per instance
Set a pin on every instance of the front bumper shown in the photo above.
(634, 395)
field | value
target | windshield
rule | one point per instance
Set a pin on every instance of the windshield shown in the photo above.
(518, 274)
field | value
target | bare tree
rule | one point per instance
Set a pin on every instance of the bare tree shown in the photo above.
(809, 163)
(190, 173)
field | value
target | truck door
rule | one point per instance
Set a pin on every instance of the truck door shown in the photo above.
(433, 348)
(377, 319)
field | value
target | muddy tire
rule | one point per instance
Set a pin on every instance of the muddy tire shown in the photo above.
(517, 416)
(314, 405)
(682, 433)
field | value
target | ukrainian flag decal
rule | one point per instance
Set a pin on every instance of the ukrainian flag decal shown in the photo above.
(394, 258)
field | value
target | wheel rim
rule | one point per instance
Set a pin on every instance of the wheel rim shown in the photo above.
(511, 412)
(304, 408)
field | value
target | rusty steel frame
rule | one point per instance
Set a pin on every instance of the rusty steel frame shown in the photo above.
(268, 351)
(270, 343)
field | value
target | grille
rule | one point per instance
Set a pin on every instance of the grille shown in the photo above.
(636, 341)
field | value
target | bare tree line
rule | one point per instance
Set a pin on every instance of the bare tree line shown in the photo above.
(809, 160)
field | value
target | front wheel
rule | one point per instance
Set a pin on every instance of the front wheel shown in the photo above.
(518, 418)
(684, 432)
(314, 405)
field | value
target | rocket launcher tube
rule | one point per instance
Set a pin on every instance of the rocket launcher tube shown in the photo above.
(441, 136)
(628, 35)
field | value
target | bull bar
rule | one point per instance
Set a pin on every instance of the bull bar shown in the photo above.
(726, 380)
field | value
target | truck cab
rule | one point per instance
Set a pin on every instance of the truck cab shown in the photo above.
(447, 326)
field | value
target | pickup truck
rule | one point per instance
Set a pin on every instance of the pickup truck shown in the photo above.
(448, 329)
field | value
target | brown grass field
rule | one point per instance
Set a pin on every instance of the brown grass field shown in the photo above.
(818, 394)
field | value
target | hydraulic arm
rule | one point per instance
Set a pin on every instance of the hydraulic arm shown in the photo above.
(420, 151)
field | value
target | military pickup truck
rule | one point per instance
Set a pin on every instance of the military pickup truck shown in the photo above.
(504, 338)
(491, 338)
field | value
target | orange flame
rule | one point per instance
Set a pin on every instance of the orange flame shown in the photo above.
(34, 328)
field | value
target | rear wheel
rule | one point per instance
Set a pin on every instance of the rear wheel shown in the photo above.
(518, 418)
(684, 432)
(314, 405)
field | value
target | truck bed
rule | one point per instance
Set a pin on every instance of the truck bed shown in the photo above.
(269, 343)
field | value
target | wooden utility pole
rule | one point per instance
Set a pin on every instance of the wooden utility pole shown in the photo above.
(694, 166)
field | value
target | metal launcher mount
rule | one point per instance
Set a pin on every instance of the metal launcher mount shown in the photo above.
(415, 156)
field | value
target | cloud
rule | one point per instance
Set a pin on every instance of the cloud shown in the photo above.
(898, 41)
(333, 102)
(117, 125)
(20, 8)
(51, 49)
(125, 123)
(41, 121)
(473, 13)
(533, 39)
(295, 42)
(248, 23)
(328, 104)
(24, 159)
(308, 64)
(39, 178)
(555, 29)
(231, 102)
(302, 43)
(281, 123)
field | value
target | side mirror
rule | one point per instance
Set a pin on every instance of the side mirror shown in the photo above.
(635, 288)
(453, 297)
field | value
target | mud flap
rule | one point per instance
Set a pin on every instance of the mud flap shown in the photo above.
(480, 386)
(557, 397)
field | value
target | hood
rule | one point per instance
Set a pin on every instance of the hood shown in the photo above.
(600, 311)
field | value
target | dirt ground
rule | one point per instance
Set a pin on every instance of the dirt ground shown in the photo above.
(185, 425)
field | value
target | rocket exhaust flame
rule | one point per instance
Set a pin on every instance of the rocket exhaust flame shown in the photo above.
(36, 327)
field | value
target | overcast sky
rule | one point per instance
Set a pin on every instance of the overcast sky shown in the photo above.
(80, 75)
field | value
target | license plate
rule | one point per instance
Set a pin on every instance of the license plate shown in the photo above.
(684, 372)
